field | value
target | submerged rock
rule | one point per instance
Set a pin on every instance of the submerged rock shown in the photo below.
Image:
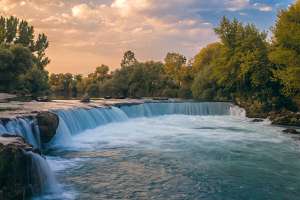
(257, 120)
(108, 97)
(48, 123)
(15, 166)
(85, 99)
(43, 99)
(291, 131)
(160, 98)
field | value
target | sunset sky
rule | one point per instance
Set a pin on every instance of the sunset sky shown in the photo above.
(86, 33)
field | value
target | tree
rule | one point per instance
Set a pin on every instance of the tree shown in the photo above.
(34, 81)
(6, 74)
(11, 29)
(204, 86)
(25, 35)
(286, 49)
(22, 57)
(245, 65)
(2, 29)
(173, 64)
(40, 47)
(101, 73)
(128, 59)
(207, 56)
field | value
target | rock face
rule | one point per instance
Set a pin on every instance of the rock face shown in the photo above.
(15, 176)
(48, 123)
(285, 118)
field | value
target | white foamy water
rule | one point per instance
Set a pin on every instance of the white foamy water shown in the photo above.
(180, 157)
(173, 151)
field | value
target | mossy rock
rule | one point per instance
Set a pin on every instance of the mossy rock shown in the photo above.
(48, 123)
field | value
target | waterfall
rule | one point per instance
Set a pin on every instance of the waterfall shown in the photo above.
(25, 127)
(237, 111)
(186, 108)
(74, 121)
(41, 177)
(77, 120)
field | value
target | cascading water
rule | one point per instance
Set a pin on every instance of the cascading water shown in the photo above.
(41, 177)
(25, 127)
(237, 111)
(186, 108)
(173, 151)
(75, 121)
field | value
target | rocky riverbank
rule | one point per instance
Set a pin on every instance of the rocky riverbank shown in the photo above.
(282, 117)
(12, 109)
(16, 180)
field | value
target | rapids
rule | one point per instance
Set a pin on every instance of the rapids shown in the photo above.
(208, 151)
(175, 151)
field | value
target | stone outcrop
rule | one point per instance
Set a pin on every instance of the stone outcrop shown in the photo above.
(291, 131)
(285, 118)
(48, 123)
(15, 176)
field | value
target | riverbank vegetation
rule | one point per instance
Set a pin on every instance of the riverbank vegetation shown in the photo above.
(246, 66)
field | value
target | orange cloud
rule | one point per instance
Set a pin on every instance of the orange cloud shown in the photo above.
(84, 34)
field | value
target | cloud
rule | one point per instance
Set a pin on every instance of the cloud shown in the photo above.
(126, 7)
(262, 7)
(101, 30)
(235, 5)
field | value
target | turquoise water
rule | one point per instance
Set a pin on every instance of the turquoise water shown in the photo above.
(179, 157)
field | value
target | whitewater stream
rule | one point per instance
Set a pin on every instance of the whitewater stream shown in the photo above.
(172, 151)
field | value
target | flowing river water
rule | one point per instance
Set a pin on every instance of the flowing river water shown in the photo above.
(213, 156)
(163, 151)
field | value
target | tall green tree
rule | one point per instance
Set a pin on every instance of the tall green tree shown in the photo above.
(245, 64)
(286, 49)
(204, 86)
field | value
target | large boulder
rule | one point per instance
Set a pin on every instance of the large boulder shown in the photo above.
(15, 176)
(48, 123)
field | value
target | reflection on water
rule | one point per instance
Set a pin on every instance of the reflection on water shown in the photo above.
(180, 157)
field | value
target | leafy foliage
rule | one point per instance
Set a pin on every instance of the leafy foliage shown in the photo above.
(286, 49)
(22, 59)
(239, 69)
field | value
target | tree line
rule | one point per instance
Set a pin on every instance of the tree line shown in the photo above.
(133, 79)
(245, 66)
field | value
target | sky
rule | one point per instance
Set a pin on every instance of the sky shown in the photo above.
(84, 34)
